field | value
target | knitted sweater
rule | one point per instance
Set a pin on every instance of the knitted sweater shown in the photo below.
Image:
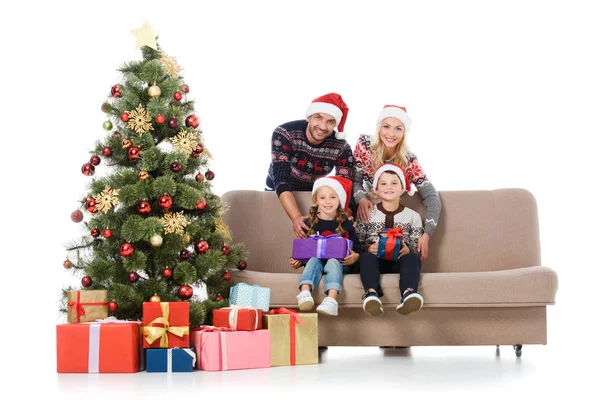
(326, 227)
(364, 172)
(296, 163)
(369, 231)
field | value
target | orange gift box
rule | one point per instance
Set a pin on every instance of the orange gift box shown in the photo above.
(238, 318)
(166, 325)
(98, 347)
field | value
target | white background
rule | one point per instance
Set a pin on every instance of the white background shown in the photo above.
(501, 93)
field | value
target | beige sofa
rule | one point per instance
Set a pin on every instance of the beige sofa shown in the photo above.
(483, 282)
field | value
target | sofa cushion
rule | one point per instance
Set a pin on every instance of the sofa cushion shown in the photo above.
(520, 287)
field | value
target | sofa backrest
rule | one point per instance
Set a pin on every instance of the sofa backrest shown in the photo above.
(484, 230)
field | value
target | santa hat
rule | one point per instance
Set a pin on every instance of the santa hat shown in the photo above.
(396, 112)
(342, 186)
(334, 105)
(410, 189)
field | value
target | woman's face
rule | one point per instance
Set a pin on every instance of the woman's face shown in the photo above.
(391, 132)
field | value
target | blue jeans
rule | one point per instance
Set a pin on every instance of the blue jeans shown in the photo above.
(333, 271)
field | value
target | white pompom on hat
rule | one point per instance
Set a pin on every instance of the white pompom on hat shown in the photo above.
(396, 112)
(342, 186)
(410, 189)
(334, 105)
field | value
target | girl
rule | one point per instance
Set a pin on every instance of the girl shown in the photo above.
(327, 217)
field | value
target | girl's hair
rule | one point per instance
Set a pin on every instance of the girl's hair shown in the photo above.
(378, 150)
(340, 216)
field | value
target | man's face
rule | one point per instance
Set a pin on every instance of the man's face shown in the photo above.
(320, 126)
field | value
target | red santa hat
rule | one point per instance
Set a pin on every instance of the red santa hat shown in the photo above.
(410, 189)
(342, 186)
(334, 105)
(396, 112)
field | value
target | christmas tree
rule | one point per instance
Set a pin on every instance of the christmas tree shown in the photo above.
(153, 227)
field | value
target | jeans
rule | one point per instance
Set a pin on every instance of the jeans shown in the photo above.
(371, 268)
(333, 271)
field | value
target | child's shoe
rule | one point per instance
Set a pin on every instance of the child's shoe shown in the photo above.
(329, 306)
(411, 302)
(371, 304)
(305, 301)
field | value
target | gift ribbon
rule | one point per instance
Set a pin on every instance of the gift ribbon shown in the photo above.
(94, 341)
(233, 315)
(293, 314)
(77, 306)
(170, 358)
(222, 344)
(322, 243)
(154, 332)
(390, 244)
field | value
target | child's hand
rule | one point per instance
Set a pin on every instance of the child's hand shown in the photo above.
(295, 263)
(350, 258)
(404, 250)
(373, 248)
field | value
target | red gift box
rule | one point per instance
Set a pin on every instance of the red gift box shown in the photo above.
(166, 325)
(238, 318)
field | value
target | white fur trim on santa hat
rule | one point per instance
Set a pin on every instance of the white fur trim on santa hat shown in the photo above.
(396, 112)
(335, 185)
(393, 168)
(326, 108)
(340, 135)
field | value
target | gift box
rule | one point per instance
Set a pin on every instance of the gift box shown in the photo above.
(238, 318)
(221, 349)
(108, 346)
(390, 244)
(294, 337)
(170, 360)
(322, 247)
(87, 305)
(244, 295)
(166, 325)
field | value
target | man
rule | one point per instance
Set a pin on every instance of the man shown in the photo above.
(304, 150)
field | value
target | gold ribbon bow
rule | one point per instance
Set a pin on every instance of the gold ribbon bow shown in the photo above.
(154, 332)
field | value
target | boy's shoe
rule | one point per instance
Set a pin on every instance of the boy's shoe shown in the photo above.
(305, 301)
(329, 306)
(371, 304)
(411, 302)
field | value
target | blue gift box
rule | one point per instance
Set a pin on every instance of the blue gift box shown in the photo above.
(245, 295)
(390, 244)
(170, 360)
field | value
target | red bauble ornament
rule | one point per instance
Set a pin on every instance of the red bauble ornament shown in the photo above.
(225, 250)
(227, 276)
(76, 216)
(201, 246)
(105, 107)
(88, 169)
(201, 204)
(86, 281)
(144, 208)
(173, 123)
(167, 273)
(175, 166)
(185, 254)
(125, 117)
(218, 298)
(209, 175)
(116, 90)
(199, 148)
(185, 292)
(95, 232)
(199, 177)
(67, 264)
(242, 265)
(134, 153)
(185, 89)
(178, 96)
(127, 249)
(133, 277)
(106, 152)
(116, 134)
(165, 202)
(90, 205)
(95, 160)
(107, 233)
(161, 119)
(192, 121)
(112, 306)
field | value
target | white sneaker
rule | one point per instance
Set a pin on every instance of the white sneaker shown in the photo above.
(411, 302)
(305, 301)
(329, 306)
(372, 305)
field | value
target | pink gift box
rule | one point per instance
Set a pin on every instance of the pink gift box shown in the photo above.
(218, 349)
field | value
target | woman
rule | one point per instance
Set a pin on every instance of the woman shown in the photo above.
(389, 145)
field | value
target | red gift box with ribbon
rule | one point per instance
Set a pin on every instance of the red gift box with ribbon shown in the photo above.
(390, 244)
(166, 325)
(238, 318)
(294, 337)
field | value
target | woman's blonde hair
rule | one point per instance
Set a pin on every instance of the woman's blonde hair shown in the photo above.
(378, 150)
(340, 216)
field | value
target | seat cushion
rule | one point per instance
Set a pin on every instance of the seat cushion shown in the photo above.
(529, 286)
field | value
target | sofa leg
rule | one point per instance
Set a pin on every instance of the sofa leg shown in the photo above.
(323, 347)
(518, 348)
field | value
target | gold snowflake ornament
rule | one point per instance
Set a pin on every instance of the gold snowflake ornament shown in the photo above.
(107, 199)
(139, 120)
(222, 229)
(171, 65)
(174, 223)
(185, 142)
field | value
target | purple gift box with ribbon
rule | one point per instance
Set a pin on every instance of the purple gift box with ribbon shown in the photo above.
(322, 247)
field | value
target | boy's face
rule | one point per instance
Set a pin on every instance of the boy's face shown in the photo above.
(389, 187)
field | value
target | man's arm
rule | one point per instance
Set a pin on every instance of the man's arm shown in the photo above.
(288, 202)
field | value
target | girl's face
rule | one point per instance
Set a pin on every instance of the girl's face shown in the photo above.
(391, 132)
(327, 202)
(389, 187)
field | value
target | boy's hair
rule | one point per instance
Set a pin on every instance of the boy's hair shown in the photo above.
(340, 216)
(391, 173)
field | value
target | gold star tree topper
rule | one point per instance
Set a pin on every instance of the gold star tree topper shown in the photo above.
(145, 36)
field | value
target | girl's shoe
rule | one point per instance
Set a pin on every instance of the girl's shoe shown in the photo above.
(371, 304)
(411, 302)
(305, 301)
(329, 306)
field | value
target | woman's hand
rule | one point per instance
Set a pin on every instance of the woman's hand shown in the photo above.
(364, 209)
(300, 227)
(373, 248)
(350, 258)
(404, 250)
(423, 246)
(295, 263)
